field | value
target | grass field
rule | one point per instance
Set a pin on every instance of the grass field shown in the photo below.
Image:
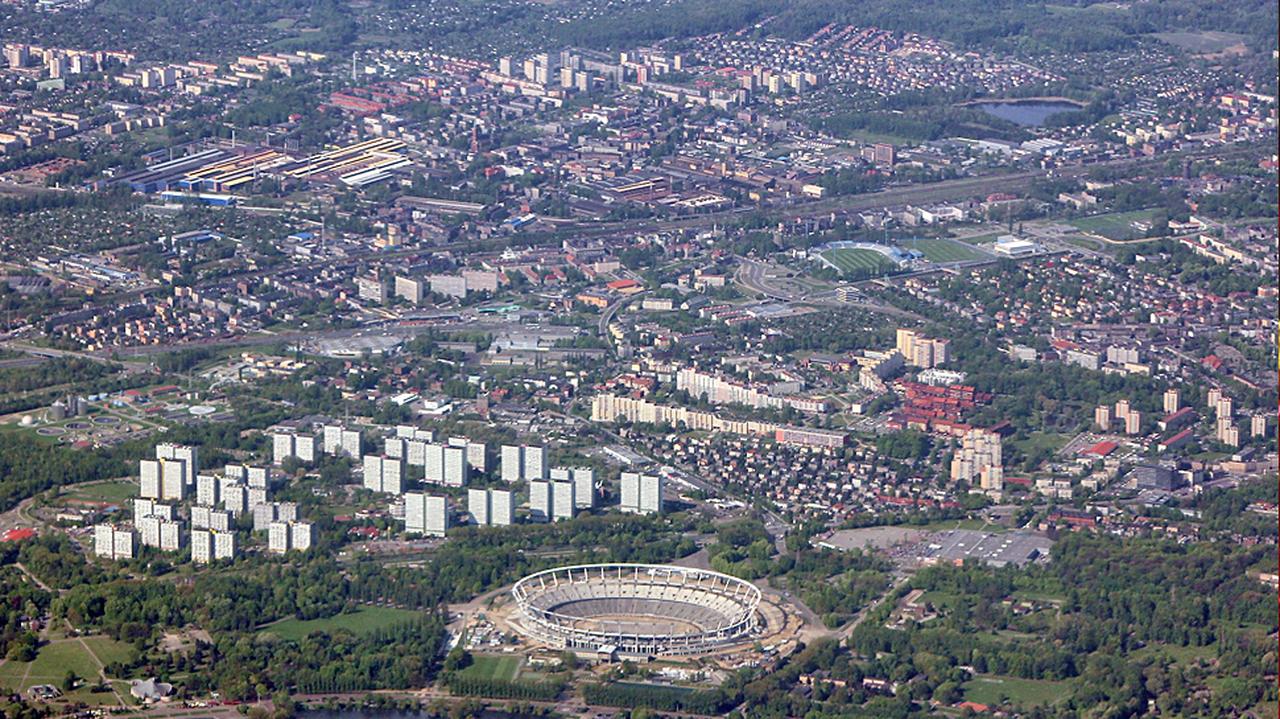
(1114, 226)
(941, 250)
(115, 492)
(1209, 41)
(1180, 655)
(54, 660)
(362, 621)
(500, 667)
(852, 259)
(989, 689)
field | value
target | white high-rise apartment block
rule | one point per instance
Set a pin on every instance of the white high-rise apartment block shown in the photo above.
(170, 535)
(395, 447)
(478, 506)
(189, 455)
(286, 444)
(560, 474)
(562, 500)
(200, 516)
(258, 477)
(220, 520)
(256, 495)
(287, 511)
(162, 478)
(1172, 401)
(491, 507)
(301, 535)
(584, 487)
(426, 514)
(535, 463)
(437, 516)
(235, 498)
(143, 507)
(416, 452)
(456, 469)
(208, 489)
(981, 457)
(1258, 425)
(337, 439)
(148, 530)
(502, 507)
(641, 494)
(523, 462)
(201, 546)
(114, 542)
(149, 478)
(173, 479)
(433, 464)
(263, 516)
(278, 537)
(512, 462)
(236, 472)
(408, 432)
(540, 501)
(478, 456)
(383, 474)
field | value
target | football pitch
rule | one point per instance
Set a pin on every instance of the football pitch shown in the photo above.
(854, 259)
(941, 250)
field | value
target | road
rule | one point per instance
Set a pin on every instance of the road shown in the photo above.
(607, 316)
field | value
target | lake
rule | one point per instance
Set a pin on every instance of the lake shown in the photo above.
(1030, 114)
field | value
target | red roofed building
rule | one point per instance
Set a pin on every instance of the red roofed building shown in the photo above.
(1213, 362)
(1102, 449)
(626, 287)
(17, 534)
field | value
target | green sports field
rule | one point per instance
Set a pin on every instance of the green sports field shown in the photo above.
(362, 621)
(1115, 226)
(54, 660)
(989, 689)
(854, 259)
(941, 250)
(493, 666)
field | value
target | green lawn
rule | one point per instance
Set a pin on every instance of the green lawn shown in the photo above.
(1115, 226)
(989, 689)
(941, 250)
(1180, 655)
(1206, 41)
(115, 492)
(849, 259)
(54, 660)
(500, 667)
(362, 621)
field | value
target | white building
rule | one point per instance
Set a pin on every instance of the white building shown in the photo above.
(114, 542)
(478, 504)
(278, 537)
(512, 463)
(235, 498)
(641, 494)
(456, 469)
(208, 546)
(426, 514)
(502, 507)
(540, 501)
(340, 440)
(208, 489)
(584, 487)
(562, 500)
(190, 456)
(286, 444)
(384, 474)
(523, 462)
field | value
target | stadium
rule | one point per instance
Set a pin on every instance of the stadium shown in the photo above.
(636, 609)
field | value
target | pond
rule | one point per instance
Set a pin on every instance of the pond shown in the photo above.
(1030, 114)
